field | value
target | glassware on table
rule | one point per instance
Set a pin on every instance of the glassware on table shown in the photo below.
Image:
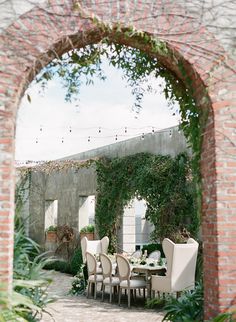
(162, 261)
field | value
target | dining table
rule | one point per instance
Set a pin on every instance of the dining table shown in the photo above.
(151, 267)
(148, 270)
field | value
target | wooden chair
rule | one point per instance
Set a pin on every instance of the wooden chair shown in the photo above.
(126, 282)
(93, 276)
(108, 278)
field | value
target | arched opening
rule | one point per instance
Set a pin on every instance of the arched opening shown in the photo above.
(27, 46)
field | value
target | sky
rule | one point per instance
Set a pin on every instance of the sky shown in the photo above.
(48, 128)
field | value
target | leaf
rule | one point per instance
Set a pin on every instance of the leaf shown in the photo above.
(29, 98)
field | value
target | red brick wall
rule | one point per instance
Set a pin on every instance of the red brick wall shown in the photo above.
(29, 43)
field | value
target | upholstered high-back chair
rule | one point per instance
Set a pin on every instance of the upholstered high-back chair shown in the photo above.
(94, 246)
(181, 266)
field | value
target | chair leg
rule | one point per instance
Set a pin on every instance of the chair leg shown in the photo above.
(88, 290)
(103, 290)
(110, 293)
(120, 292)
(128, 297)
(144, 293)
(95, 291)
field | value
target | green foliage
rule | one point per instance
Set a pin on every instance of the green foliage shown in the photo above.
(72, 267)
(51, 228)
(79, 282)
(163, 182)
(30, 283)
(188, 307)
(76, 261)
(152, 247)
(87, 229)
(59, 265)
(7, 315)
(224, 317)
(155, 303)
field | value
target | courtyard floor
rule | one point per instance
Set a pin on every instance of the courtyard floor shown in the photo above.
(70, 308)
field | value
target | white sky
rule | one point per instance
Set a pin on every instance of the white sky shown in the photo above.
(105, 104)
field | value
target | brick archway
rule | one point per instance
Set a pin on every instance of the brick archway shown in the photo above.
(32, 40)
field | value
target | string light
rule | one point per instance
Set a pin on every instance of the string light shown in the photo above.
(99, 137)
(41, 128)
(125, 129)
(70, 129)
(99, 130)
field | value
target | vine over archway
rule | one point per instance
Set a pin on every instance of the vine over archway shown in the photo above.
(163, 182)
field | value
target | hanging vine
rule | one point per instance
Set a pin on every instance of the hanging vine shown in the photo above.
(164, 183)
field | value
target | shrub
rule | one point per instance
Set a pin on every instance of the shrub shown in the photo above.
(188, 307)
(87, 229)
(60, 266)
(155, 303)
(76, 261)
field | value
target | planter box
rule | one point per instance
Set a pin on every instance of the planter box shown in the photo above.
(90, 236)
(51, 236)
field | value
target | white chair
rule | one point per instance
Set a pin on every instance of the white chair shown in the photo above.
(181, 265)
(93, 276)
(94, 246)
(137, 254)
(108, 278)
(156, 255)
(126, 282)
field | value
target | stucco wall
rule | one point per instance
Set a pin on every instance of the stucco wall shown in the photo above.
(70, 186)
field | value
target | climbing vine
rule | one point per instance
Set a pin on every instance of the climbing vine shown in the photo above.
(163, 182)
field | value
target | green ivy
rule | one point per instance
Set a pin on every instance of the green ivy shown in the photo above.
(163, 182)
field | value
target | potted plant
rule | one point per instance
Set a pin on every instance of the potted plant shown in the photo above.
(87, 231)
(51, 234)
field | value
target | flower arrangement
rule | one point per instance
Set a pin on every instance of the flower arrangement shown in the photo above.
(79, 283)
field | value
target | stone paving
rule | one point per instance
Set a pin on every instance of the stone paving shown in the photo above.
(70, 308)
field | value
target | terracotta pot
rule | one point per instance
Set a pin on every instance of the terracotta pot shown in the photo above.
(90, 236)
(51, 236)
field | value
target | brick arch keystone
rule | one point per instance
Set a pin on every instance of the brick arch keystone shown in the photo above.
(40, 34)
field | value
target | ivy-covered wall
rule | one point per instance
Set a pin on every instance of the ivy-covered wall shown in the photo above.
(165, 183)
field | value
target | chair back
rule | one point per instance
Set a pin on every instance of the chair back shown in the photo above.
(104, 245)
(137, 254)
(94, 246)
(91, 263)
(155, 255)
(124, 270)
(181, 263)
(106, 265)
